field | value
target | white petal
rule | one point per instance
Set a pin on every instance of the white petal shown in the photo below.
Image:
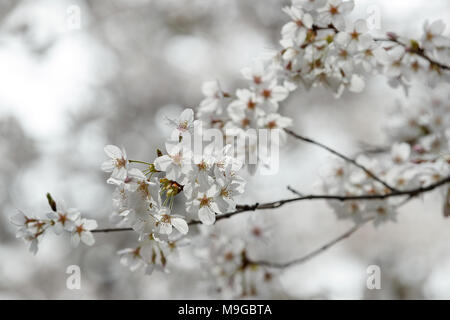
(437, 27)
(113, 152)
(187, 115)
(90, 224)
(75, 240)
(339, 22)
(165, 228)
(279, 93)
(161, 163)
(342, 38)
(222, 205)
(206, 216)
(361, 26)
(108, 165)
(357, 84)
(247, 73)
(119, 174)
(87, 238)
(58, 228)
(284, 122)
(346, 6)
(52, 216)
(33, 246)
(18, 219)
(180, 225)
(289, 29)
(308, 20)
(365, 40)
(173, 172)
(137, 174)
(210, 88)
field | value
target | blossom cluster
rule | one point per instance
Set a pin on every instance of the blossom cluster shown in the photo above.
(60, 220)
(322, 47)
(426, 58)
(226, 259)
(145, 199)
(424, 124)
(319, 47)
(419, 156)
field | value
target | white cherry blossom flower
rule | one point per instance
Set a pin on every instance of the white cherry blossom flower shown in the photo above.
(432, 37)
(230, 185)
(355, 37)
(131, 257)
(275, 121)
(382, 211)
(31, 238)
(63, 219)
(335, 12)
(117, 164)
(165, 222)
(82, 232)
(246, 99)
(30, 229)
(272, 93)
(309, 5)
(205, 206)
(213, 96)
(400, 153)
(175, 163)
(298, 27)
(257, 72)
(392, 59)
(184, 124)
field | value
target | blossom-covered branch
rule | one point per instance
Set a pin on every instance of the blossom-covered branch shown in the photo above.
(411, 193)
(340, 155)
(195, 180)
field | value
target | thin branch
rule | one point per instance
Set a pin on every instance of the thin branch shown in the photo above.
(111, 230)
(340, 155)
(295, 191)
(418, 51)
(312, 254)
(321, 249)
(411, 193)
(139, 161)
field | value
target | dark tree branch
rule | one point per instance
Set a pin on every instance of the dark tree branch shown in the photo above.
(111, 230)
(410, 193)
(310, 255)
(393, 38)
(295, 191)
(418, 51)
(340, 155)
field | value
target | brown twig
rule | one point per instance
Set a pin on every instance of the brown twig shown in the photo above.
(340, 155)
(418, 51)
(294, 191)
(393, 38)
(411, 193)
(311, 254)
(111, 230)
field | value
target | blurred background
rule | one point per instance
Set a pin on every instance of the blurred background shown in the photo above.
(67, 89)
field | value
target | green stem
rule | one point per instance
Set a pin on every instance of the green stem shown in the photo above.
(138, 161)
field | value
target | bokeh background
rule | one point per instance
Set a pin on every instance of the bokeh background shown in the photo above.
(66, 92)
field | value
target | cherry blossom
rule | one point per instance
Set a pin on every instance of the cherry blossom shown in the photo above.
(335, 12)
(82, 232)
(165, 222)
(117, 164)
(320, 46)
